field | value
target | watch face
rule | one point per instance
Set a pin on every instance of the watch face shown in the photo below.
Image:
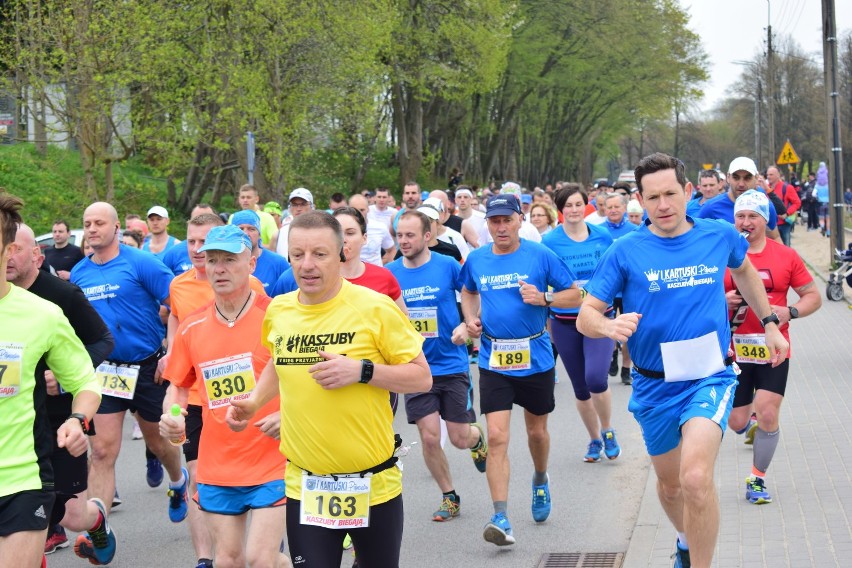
(794, 313)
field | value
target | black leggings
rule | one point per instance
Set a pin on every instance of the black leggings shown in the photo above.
(376, 546)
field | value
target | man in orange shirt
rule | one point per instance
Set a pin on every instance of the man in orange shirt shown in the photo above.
(189, 292)
(218, 348)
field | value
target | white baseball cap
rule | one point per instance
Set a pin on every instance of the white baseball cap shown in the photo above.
(301, 193)
(158, 210)
(743, 163)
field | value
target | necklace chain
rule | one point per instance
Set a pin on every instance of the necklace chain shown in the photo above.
(232, 321)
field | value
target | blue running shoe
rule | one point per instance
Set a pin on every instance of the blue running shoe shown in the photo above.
(154, 477)
(97, 546)
(498, 530)
(611, 447)
(541, 501)
(756, 491)
(594, 453)
(681, 558)
(178, 506)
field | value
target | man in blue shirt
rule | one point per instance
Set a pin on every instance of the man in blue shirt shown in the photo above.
(671, 274)
(270, 265)
(429, 283)
(505, 299)
(177, 258)
(742, 176)
(126, 286)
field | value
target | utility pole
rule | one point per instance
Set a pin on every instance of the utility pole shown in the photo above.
(758, 118)
(770, 83)
(835, 160)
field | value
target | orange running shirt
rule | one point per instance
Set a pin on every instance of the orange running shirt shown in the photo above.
(188, 294)
(226, 361)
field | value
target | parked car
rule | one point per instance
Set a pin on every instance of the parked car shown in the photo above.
(46, 240)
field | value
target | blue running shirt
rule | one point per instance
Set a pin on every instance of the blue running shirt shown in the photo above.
(127, 292)
(170, 243)
(583, 257)
(176, 258)
(677, 284)
(721, 207)
(270, 266)
(504, 314)
(285, 283)
(430, 291)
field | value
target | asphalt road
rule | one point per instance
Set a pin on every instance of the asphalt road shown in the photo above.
(594, 505)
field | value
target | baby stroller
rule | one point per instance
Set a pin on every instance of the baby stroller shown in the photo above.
(834, 288)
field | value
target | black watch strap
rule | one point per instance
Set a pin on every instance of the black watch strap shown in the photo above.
(771, 318)
(794, 312)
(84, 422)
(367, 369)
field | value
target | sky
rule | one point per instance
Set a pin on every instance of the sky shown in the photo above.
(735, 30)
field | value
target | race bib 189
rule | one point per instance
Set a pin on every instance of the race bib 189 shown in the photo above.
(509, 355)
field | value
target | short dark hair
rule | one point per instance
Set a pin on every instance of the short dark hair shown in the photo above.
(319, 220)
(385, 189)
(567, 190)
(658, 162)
(338, 197)
(63, 222)
(10, 216)
(207, 219)
(135, 235)
(355, 214)
(709, 174)
(425, 222)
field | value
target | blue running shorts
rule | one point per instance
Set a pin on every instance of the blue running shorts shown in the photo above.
(223, 500)
(662, 415)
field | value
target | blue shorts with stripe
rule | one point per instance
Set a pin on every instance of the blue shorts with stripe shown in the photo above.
(661, 418)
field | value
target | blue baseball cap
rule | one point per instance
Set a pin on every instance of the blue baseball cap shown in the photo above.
(246, 217)
(753, 200)
(228, 238)
(526, 198)
(502, 205)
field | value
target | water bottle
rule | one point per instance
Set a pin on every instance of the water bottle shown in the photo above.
(177, 416)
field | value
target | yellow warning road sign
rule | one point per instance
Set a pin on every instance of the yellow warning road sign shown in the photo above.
(787, 155)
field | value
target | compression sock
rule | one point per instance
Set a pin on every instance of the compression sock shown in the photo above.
(539, 478)
(764, 448)
(500, 507)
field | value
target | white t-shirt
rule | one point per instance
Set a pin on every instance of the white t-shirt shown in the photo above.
(453, 237)
(378, 238)
(594, 218)
(383, 217)
(477, 221)
(283, 234)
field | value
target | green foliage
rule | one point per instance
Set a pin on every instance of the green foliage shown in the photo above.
(52, 186)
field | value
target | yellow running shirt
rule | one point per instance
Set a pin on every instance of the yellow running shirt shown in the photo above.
(343, 430)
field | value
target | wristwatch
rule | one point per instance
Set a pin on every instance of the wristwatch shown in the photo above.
(548, 298)
(794, 312)
(366, 371)
(771, 318)
(84, 422)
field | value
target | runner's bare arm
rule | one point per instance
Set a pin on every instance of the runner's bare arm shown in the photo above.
(470, 303)
(568, 298)
(241, 411)
(401, 303)
(70, 434)
(809, 301)
(339, 371)
(592, 322)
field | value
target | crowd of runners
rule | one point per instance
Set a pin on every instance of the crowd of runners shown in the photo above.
(244, 350)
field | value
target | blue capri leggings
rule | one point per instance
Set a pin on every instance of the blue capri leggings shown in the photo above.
(586, 360)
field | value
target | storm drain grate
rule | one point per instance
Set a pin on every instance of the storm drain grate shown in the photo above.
(581, 560)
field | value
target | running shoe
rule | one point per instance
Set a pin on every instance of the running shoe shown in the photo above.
(137, 431)
(756, 491)
(498, 530)
(97, 546)
(681, 558)
(611, 447)
(594, 453)
(116, 500)
(613, 366)
(479, 455)
(178, 507)
(626, 377)
(154, 474)
(450, 507)
(474, 356)
(541, 501)
(57, 539)
(751, 430)
(204, 563)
